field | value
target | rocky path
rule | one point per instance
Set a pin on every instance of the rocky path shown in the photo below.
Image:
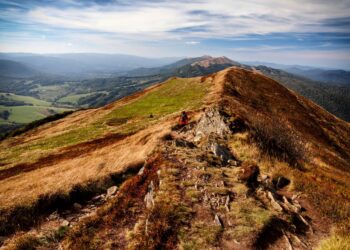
(192, 193)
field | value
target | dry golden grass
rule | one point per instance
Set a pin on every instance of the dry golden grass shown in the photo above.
(91, 162)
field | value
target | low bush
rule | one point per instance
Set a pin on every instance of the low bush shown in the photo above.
(276, 140)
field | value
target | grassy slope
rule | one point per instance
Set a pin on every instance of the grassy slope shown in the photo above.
(175, 95)
(27, 99)
(262, 102)
(26, 114)
(162, 101)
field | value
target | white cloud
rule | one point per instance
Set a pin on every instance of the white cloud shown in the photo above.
(168, 28)
(225, 18)
(192, 42)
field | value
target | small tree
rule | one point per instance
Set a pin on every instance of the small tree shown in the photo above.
(5, 114)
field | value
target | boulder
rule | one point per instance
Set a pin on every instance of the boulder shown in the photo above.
(249, 173)
(273, 202)
(77, 206)
(54, 216)
(221, 151)
(280, 182)
(65, 223)
(291, 206)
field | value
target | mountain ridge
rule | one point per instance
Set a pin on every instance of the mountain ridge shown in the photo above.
(262, 132)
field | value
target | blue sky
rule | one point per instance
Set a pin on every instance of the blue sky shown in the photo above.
(308, 32)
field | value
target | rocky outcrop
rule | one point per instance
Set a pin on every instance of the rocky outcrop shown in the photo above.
(211, 122)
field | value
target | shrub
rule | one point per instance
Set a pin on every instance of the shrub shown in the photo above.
(276, 140)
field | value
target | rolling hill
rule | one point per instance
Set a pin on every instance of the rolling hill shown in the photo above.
(337, 77)
(258, 167)
(74, 93)
(335, 98)
(10, 68)
(83, 64)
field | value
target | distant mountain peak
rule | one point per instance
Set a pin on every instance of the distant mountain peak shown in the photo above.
(209, 60)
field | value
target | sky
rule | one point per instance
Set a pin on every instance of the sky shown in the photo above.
(304, 32)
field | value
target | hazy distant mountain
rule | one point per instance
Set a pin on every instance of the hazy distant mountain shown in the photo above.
(188, 67)
(334, 98)
(10, 68)
(323, 75)
(84, 63)
(277, 65)
(330, 76)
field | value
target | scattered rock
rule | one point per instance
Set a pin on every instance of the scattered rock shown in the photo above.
(65, 223)
(280, 182)
(141, 170)
(221, 151)
(53, 216)
(227, 203)
(292, 207)
(273, 201)
(149, 200)
(296, 240)
(218, 221)
(233, 163)
(111, 191)
(302, 219)
(288, 244)
(184, 143)
(198, 137)
(77, 206)
(86, 210)
(249, 173)
(96, 198)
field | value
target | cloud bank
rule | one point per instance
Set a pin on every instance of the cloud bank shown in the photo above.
(161, 27)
